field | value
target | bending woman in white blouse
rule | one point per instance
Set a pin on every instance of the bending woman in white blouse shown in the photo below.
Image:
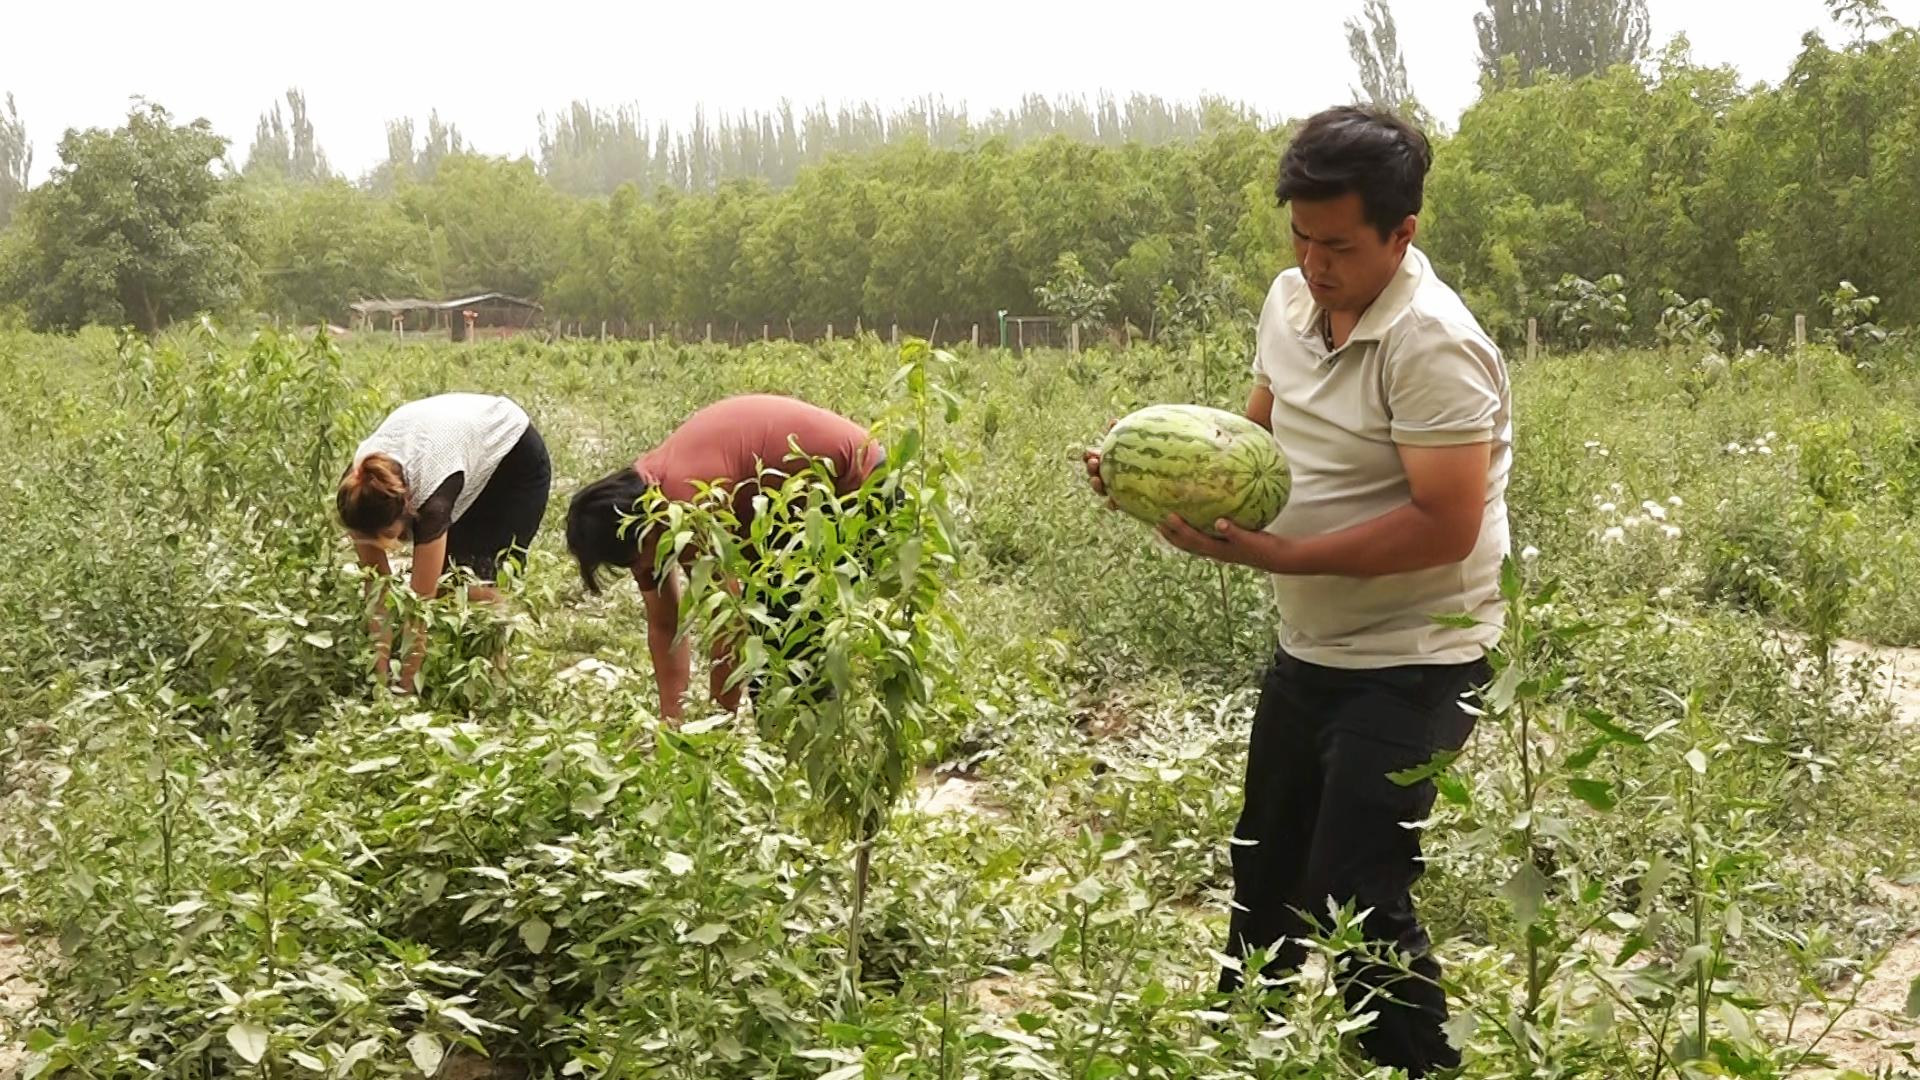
(464, 478)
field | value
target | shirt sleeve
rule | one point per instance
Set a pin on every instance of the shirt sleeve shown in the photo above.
(435, 516)
(1445, 392)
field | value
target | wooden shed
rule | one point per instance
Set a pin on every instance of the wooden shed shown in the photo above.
(494, 311)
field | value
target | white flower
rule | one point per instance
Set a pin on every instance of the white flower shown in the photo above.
(1735, 448)
(1665, 593)
(1529, 553)
(1768, 437)
(1617, 489)
(1613, 535)
(1764, 448)
(1675, 502)
(1606, 508)
(1656, 511)
(1672, 531)
(1593, 444)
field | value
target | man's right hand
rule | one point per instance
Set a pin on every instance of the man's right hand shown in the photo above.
(1091, 459)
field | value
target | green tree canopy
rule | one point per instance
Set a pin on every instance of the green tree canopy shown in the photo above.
(134, 227)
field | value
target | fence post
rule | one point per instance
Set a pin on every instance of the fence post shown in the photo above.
(709, 333)
(1073, 339)
(893, 335)
(1533, 337)
(1800, 350)
(976, 335)
(603, 331)
(649, 331)
(766, 331)
(829, 331)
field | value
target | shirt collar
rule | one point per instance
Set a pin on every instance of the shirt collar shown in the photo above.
(1304, 315)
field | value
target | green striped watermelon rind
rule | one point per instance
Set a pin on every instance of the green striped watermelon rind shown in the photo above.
(1223, 466)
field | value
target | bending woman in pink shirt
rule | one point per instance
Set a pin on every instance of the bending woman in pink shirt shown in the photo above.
(726, 444)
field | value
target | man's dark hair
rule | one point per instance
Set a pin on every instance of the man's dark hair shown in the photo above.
(1365, 150)
(593, 524)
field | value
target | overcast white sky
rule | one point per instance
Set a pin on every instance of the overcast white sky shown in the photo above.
(493, 67)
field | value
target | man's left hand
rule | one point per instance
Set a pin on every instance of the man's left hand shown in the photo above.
(1241, 547)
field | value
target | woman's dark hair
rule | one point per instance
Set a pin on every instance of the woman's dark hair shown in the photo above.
(372, 495)
(1352, 148)
(593, 524)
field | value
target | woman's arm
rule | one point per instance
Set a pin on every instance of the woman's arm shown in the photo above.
(672, 655)
(374, 557)
(429, 562)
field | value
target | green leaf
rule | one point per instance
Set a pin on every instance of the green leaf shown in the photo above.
(534, 933)
(707, 934)
(426, 1051)
(846, 1072)
(276, 640)
(909, 563)
(1587, 755)
(249, 1041)
(1461, 1027)
(307, 1061)
(1452, 789)
(1434, 767)
(1595, 793)
(1698, 760)
(1510, 581)
(677, 864)
(1043, 941)
(1500, 696)
(1913, 999)
(319, 640)
(1527, 891)
(1606, 724)
(1088, 891)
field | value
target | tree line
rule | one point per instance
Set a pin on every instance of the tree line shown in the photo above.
(1583, 157)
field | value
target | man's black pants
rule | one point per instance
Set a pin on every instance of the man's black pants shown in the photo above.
(1321, 819)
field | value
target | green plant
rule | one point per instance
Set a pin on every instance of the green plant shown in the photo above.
(1688, 322)
(1851, 327)
(1590, 312)
(848, 675)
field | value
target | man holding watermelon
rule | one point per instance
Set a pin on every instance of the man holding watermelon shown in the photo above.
(1392, 409)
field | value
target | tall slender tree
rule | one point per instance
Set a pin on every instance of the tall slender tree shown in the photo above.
(16, 160)
(1374, 42)
(284, 144)
(1563, 37)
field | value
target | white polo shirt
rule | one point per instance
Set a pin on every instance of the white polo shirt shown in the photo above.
(1417, 371)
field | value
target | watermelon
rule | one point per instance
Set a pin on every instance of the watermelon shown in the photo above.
(1201, 463)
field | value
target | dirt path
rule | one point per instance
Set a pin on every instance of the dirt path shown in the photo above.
(1895, 671)
(1880, 1016)
(1860, 1042)
(16, 995)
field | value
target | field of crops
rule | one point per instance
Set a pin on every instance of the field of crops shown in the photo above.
(1682, 841)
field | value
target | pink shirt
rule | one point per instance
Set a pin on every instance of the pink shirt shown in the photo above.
(735, 440)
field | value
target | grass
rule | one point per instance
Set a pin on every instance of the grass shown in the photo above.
(225, 833)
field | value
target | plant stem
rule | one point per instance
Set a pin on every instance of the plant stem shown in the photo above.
(862, 852)
(1701, 987)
